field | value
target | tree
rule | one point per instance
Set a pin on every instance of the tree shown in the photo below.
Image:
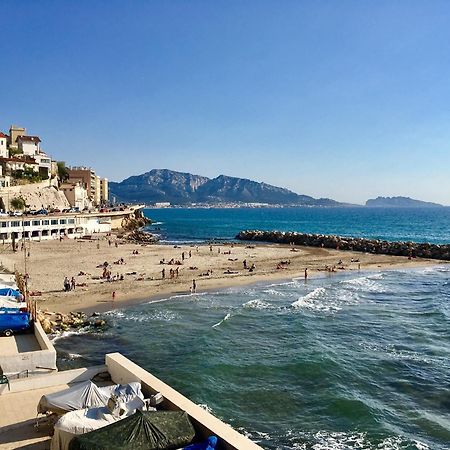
(18, 203)
(63, 173)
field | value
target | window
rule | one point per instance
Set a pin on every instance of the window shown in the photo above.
(15, 223)
(45, 222)
(26, 223)
(70, 220)
(36, 222)
(54, 221)
(5, 224)
(62, 221)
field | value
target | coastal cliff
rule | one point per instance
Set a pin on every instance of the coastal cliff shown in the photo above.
(420, 250)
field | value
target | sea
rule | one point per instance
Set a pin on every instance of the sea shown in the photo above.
(359, 360)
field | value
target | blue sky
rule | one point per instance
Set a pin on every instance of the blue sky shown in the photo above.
(340, 99)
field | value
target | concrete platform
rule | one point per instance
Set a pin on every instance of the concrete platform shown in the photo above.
(22, 343)
(18, 411)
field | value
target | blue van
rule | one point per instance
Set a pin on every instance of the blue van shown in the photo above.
(12, 320)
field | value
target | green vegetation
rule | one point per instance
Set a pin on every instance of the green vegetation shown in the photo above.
(18, 203)
(14, 152)
(63, 173)
(27, 174)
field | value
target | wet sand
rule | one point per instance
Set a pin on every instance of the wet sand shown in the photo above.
(50, 261)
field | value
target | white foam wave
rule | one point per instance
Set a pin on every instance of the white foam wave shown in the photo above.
(257, 304)
(222, 321)
(165, 316)
(309, 300)
(65, 334)
(205, 407)
(324, 440)
(367, 284)
(274, 292)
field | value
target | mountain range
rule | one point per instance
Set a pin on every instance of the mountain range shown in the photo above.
(179, 188)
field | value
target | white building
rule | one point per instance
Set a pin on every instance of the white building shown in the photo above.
(4, 153)
(45, 164)
(29, 145)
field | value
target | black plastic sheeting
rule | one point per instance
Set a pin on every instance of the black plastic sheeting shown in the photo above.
(148, 430)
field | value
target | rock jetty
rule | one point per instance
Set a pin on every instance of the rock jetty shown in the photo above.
(56, 323)
(413, 249)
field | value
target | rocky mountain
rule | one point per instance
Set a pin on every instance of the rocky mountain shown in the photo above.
(400, 202)
(163, 185)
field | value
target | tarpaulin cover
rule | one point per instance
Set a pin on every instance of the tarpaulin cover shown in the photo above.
(8, 292)
(83, 395)
(148, 430)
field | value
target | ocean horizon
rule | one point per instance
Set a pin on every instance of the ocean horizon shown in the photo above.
(190, 225)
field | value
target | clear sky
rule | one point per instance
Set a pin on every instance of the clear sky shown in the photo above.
(341, 99)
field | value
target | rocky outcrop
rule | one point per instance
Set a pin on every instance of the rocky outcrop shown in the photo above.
(140, 237)
(420, 250)
(56, 323)
(36, 196)
(136, 221)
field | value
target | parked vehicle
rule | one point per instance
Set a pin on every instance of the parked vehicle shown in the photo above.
(13, 320)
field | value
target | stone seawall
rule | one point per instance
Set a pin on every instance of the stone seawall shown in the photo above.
(425, 250)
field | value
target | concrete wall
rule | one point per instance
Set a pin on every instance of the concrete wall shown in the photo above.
(53, 379)
(37, 361)
(123, 370)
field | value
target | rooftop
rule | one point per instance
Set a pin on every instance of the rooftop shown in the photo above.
(28, 139)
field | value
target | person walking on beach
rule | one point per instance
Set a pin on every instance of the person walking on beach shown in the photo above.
(72, 283)
(194, 286)
(244, 263)
(306, 274)
(113, 295)
(66, 284)
(182, 256)
(163, 273)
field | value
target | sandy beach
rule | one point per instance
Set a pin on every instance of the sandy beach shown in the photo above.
(50, 261)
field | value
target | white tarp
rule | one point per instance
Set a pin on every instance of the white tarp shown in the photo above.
(79, 422)
(86, 395)
(129, 397)
(83, 395)
(11, 302)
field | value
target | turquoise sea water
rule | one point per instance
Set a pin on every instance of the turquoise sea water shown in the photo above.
(348, 361)
(408, 224)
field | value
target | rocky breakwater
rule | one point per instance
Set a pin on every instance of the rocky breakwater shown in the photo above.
(413, 249)
(57, 323)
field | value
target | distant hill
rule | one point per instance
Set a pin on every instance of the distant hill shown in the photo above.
(400, 202)
(178, 188)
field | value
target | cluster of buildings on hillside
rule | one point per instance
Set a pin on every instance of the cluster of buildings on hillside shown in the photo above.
(23, 161)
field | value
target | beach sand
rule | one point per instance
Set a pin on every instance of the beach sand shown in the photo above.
(50, 261)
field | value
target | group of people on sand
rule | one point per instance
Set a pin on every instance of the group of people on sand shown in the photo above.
(69, 285)
(107, 275)
(173, 273)
(250, 268)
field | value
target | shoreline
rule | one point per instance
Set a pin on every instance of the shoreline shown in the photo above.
(247, 283)
(50, 261)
